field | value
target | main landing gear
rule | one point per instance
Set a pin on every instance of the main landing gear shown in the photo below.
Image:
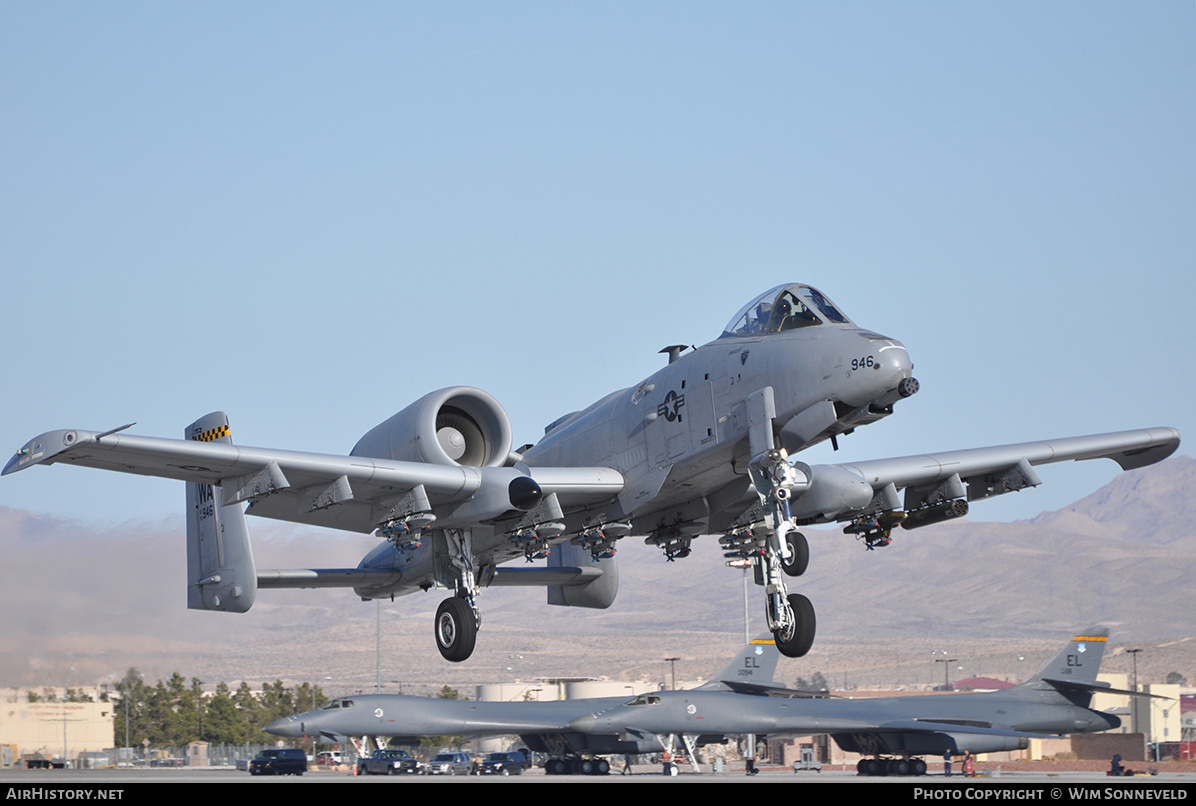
(890, 766)
(457, 624)
(457, 618)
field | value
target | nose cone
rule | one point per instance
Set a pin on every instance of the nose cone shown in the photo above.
(584, 724)
(287, 726)
(895, 363)
(882, 375)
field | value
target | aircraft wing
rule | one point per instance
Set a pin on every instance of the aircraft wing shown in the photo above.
(932, 478)
(304, 487)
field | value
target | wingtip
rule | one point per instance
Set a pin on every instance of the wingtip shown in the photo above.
(43, 448)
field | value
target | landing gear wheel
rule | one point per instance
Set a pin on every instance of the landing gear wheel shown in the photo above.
(456, 629)
(803, 628)
(799, 554)
(918, 766)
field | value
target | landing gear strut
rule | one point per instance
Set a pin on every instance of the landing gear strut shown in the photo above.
(784, 553)
(457, 618)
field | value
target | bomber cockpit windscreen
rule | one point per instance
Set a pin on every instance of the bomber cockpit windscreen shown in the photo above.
(786, 307)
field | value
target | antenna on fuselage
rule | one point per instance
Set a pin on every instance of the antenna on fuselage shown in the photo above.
(674, 351)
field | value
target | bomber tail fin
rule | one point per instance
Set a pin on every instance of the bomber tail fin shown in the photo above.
(1077, 664)
(753, 670)
(221, 574)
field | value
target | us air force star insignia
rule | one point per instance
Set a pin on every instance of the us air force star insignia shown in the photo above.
(670, 409)
(691, 709)
(378, 712)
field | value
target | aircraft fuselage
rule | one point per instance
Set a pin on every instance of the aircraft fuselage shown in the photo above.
(680, 438)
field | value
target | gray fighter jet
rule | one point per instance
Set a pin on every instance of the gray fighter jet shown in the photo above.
(702, 446)
(893, 730)
(545, 727)
(743, 699)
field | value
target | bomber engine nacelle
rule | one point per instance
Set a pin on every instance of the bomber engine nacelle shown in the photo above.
(459, 425)
(929, 743)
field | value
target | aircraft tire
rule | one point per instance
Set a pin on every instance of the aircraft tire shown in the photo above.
(799, 555)
(899, 766)
(456, 629)
(918, 766)
(603, 766)
(803, 633)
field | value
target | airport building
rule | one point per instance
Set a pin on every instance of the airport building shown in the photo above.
(52, 730)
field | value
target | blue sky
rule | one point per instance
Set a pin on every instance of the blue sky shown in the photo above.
(310, 214)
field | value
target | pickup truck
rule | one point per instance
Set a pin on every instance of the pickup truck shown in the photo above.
(388, 761)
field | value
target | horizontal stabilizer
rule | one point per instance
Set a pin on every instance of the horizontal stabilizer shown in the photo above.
(326, 578)
(565, 576)
(1101, 688)
(757, 689)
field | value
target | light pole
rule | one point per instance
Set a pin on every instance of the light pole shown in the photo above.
(946, 671)
(746, 565)
(1134, 699)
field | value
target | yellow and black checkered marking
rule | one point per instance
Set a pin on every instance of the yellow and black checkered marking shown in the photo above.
(212, 434)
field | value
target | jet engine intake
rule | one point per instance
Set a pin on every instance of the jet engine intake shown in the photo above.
(459, 425)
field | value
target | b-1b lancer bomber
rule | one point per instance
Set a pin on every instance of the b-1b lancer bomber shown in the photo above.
(891, 732)
(702, 446)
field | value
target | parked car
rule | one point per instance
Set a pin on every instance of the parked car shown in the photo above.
(449, 764)
(327, 758)
(513, 763)
(283, 761)
(388, 761)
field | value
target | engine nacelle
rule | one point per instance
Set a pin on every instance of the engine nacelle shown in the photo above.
(929, 743)
(459, 425)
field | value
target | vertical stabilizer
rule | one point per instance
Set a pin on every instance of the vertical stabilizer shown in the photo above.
(220, 571)
(1078, 662)
(599, 593)
(755, 665)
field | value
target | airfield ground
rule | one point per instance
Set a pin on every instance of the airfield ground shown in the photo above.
(1181, 775)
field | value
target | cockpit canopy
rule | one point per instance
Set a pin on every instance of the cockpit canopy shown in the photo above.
(786, 307)
(644, 699)
(333, 705)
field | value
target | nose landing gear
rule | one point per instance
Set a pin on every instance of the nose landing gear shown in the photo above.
(784, 553)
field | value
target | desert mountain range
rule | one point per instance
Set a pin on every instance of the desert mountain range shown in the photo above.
(80, 604)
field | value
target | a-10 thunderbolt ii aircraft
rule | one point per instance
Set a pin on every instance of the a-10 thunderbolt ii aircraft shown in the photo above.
(702, 446)
(743, 699)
